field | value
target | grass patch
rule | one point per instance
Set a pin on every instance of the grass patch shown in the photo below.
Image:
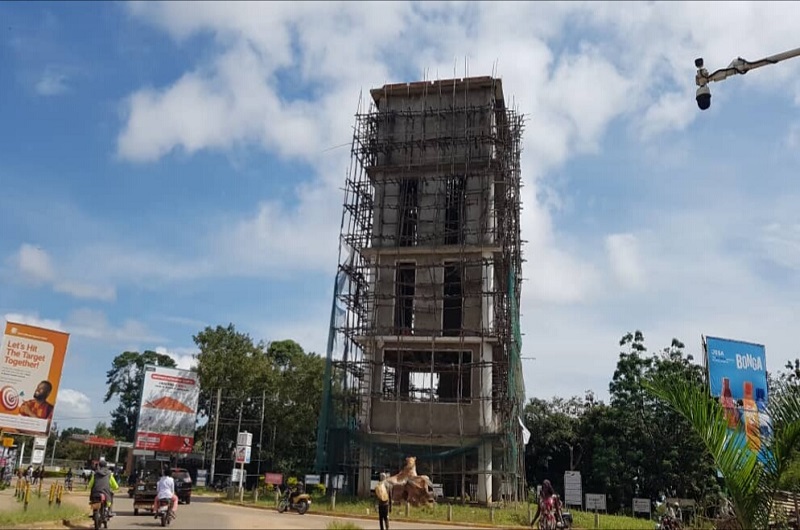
(511, 515)
(39, 511)
(337, 525)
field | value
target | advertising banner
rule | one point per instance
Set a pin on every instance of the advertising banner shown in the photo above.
(737, 375)
(168, 412)
(30, 373)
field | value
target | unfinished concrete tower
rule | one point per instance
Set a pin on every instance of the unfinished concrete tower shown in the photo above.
(424, 350)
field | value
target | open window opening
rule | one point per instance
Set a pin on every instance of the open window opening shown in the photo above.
(411, 376)
(452, 299)
(405, 287)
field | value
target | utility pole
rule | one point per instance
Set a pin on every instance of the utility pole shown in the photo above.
(216, 428)
(261, 433)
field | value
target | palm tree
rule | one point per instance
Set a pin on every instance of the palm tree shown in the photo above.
(752, 478)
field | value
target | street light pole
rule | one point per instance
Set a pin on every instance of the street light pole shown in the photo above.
(738, 66)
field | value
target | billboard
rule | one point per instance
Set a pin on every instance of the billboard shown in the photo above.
(30, 374)
(168, 411)
(737, 375)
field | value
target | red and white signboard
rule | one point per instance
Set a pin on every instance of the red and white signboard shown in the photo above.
(273, 478)
(168, 413)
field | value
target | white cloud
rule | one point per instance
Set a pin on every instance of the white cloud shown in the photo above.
(574, 68)
(91, 324)
(52, 82)
(35, 265)
(35, 320)
(72, 405)
(623, 255)
(184, 357)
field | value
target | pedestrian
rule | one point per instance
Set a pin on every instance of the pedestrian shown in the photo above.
(549, 508)
(384, 502)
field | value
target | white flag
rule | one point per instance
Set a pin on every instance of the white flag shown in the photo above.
(526, 434)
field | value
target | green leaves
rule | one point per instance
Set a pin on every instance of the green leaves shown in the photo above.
(750, 482)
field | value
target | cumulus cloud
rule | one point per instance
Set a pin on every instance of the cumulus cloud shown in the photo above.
(35, 320)
(72, 405)
(285, 77)
(185, 358)
(623, 255)
(34, 264)
(91, 324)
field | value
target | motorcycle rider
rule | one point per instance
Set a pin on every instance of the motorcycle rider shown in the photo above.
(103, 481)
(166, 490)
(68, 479)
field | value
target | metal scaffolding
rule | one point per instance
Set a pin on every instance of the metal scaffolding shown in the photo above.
(424, 345)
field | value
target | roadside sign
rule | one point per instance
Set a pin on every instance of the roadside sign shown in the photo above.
(641, 506)
(595, 502)
(243, 454)
(202, 475)
(8, 442)
(237, 475)
(273, 478)
(244, 438)
(312, 479)
(573, 488)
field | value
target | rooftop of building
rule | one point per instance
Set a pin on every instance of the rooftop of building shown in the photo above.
(432, 87)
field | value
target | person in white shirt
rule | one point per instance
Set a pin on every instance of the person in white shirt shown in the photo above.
(166, 490)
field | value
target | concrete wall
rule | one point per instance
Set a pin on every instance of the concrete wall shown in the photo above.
(478, 217)
(417, 137)
(428, 294)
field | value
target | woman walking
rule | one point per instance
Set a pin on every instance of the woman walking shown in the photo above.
(549, 508)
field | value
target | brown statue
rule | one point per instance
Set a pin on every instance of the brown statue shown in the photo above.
(408, 486)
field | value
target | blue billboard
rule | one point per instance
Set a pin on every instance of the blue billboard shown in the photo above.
(737, 376)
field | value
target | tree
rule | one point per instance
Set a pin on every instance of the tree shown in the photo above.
(751, 482)
(638, 446)
(554, 446)
(125, 381)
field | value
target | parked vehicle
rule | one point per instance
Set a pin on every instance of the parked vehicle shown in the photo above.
(165, 511)
(295, 500)
(183, 484)
(100, 511)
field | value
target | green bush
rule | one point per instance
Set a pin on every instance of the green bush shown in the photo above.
(339, 525)
(318, 489)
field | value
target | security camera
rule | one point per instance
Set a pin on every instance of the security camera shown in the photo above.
(703, 97)
(698, 62)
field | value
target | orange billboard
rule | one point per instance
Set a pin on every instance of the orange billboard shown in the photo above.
(31, 360)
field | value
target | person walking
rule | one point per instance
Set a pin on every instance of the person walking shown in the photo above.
(384, 502)
(549, 508)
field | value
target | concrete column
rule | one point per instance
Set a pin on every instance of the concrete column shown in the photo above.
(484, 472)
(485, 388)
(364, 471)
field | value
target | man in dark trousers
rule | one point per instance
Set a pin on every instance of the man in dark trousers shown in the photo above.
(384, 502)
(103, 481)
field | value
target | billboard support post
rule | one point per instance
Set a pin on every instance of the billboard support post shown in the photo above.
(216, 428)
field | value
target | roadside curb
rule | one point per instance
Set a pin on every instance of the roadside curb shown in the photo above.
(400, 519)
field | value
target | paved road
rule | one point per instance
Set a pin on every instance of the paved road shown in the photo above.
(204, 513)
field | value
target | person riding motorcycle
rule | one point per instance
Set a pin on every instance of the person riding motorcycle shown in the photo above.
(166, 490)
(103, 482)
(68, 479)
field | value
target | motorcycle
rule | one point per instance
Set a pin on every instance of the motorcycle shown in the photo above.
(68, 483)
(294, 500)
(100, 511)
(669, 516)
(165, 511)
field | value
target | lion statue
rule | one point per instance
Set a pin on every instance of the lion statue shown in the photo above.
(408, 486)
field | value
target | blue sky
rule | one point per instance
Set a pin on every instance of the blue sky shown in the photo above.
(165, 166)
